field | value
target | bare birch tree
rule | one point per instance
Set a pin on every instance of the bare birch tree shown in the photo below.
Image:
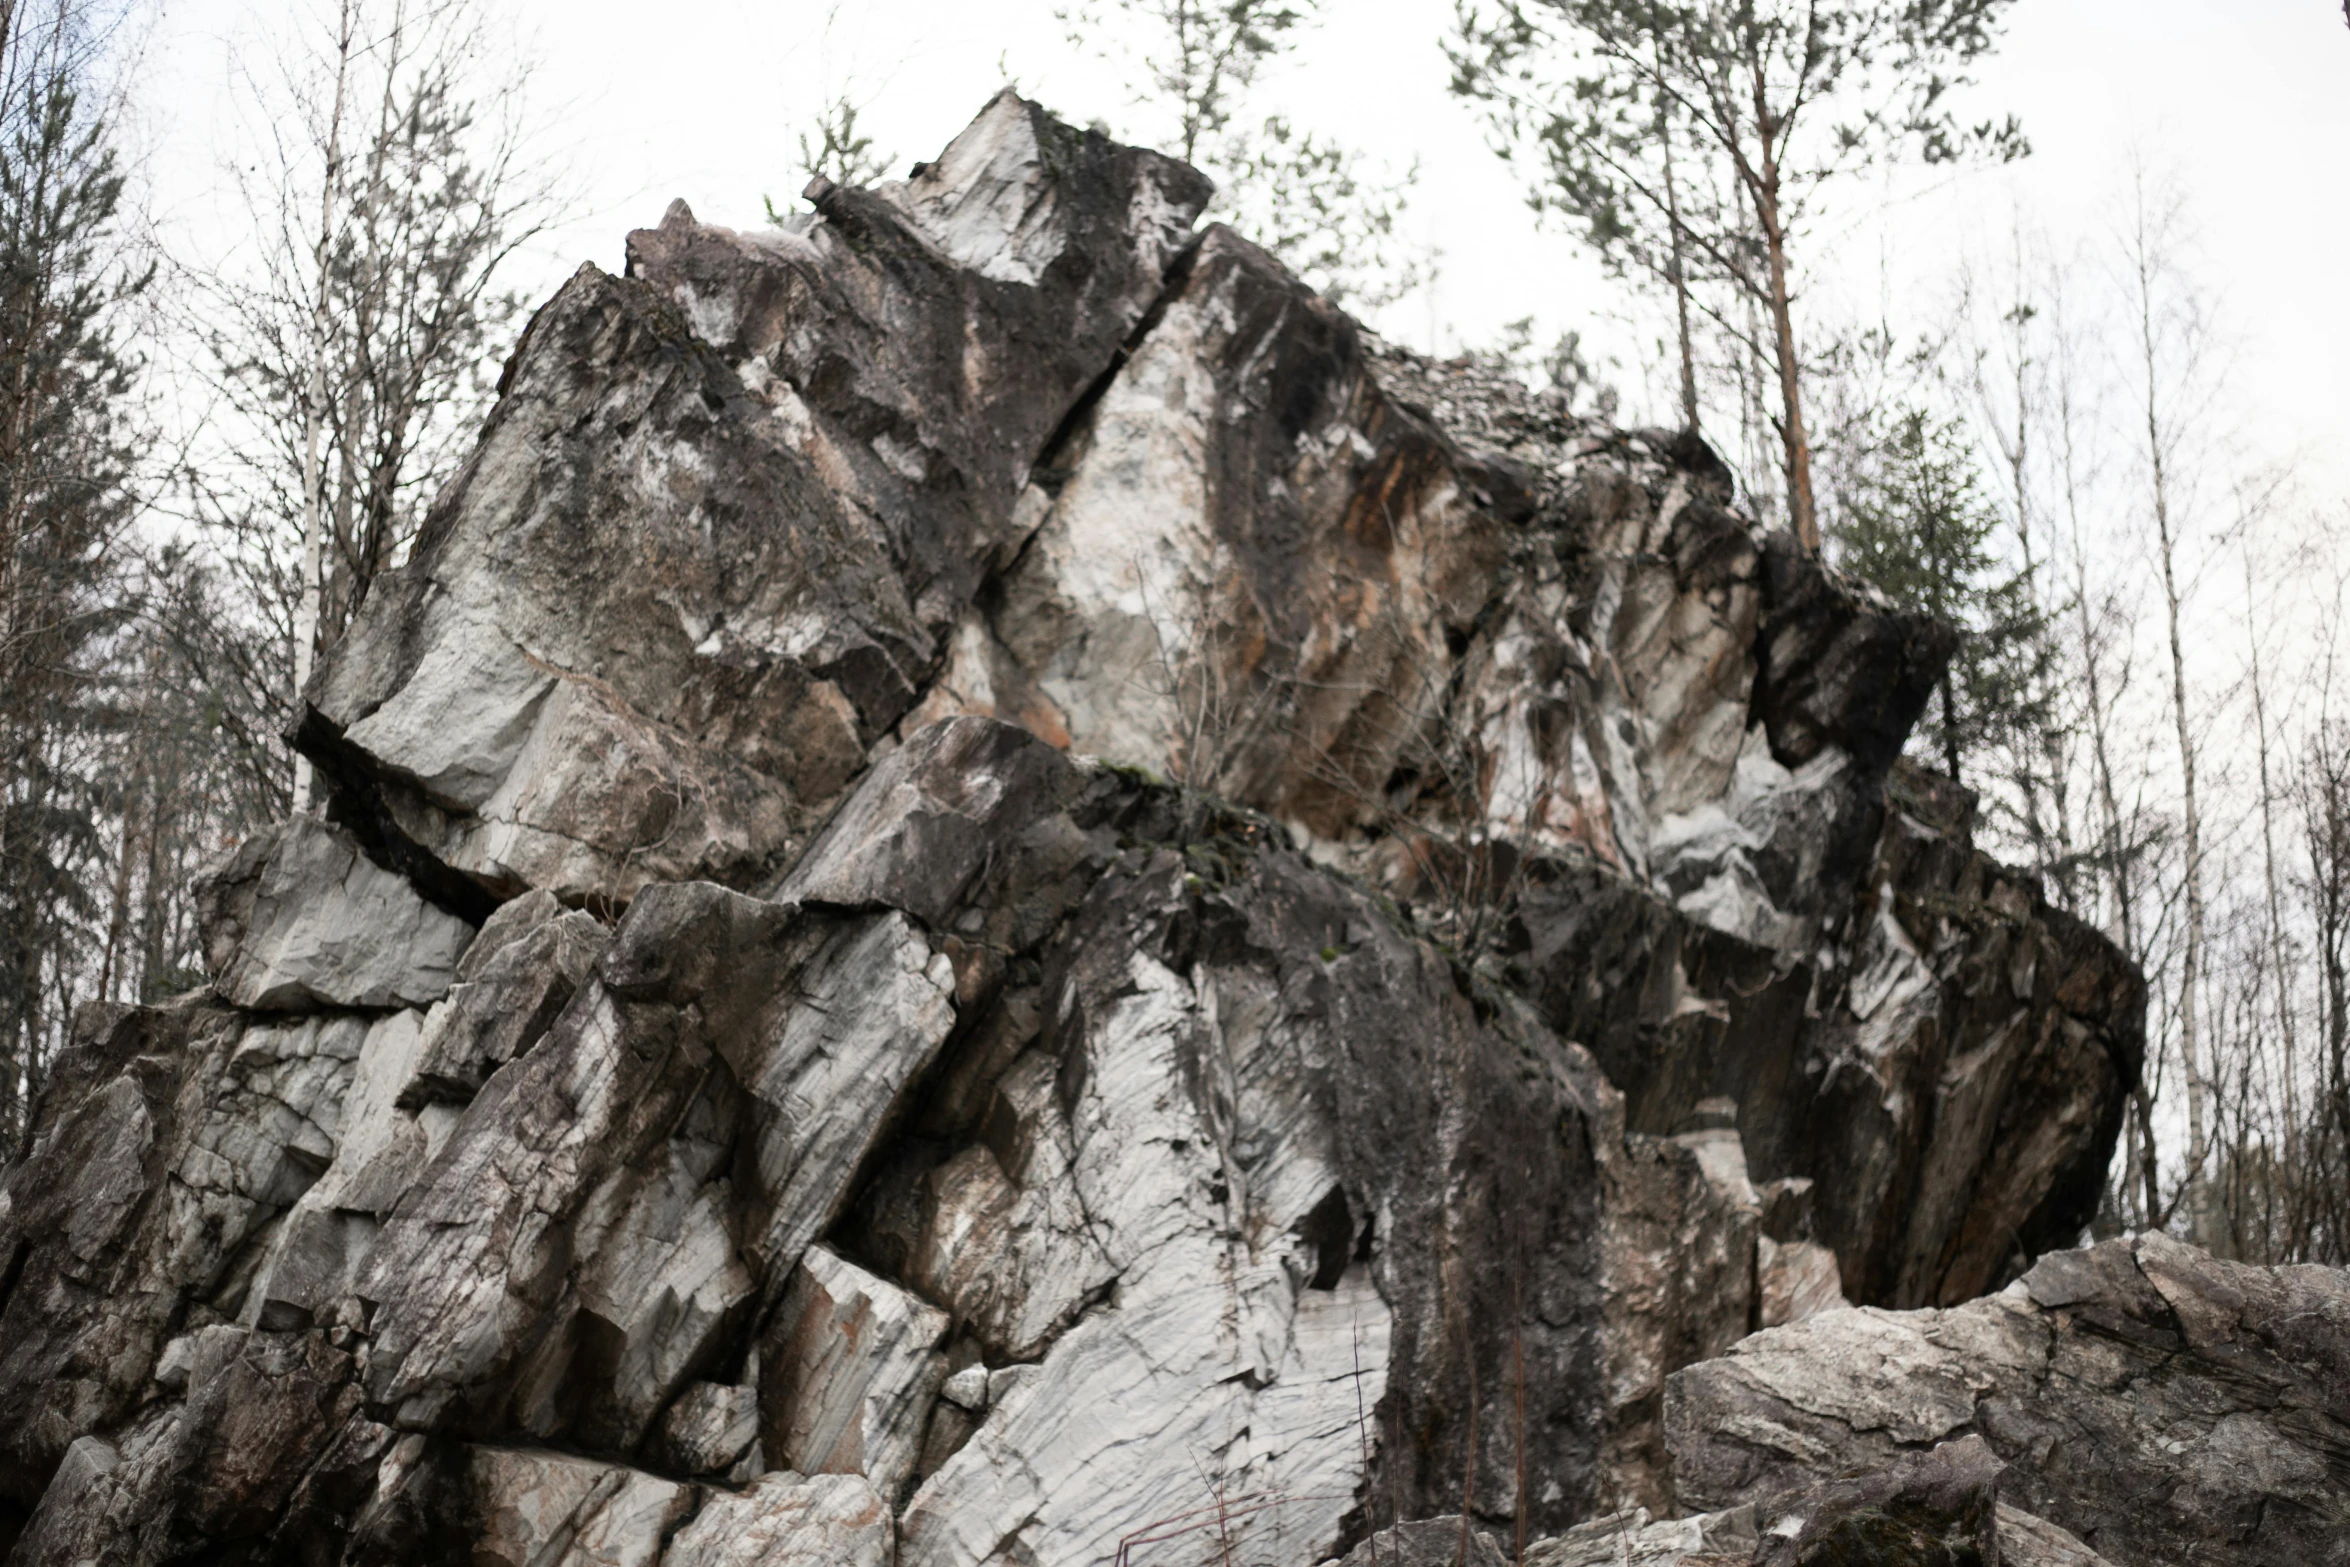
(349, 347)
(2169, 340)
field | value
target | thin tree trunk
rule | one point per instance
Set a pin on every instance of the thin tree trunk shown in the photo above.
(1680, 275)
(1801, 512)
(2191, 961)
(2117, 848)
(2328, 853)
(314, 405)
(2029, 782)
(118, 917)
(1794, 438)
(2279, 968)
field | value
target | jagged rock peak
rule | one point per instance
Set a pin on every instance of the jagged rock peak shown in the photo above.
(994, 888)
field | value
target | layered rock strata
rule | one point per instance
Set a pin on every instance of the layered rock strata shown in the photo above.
(993, 892)
(2162, 1406)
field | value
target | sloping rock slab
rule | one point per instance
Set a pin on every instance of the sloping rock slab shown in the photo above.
(2164, 1407)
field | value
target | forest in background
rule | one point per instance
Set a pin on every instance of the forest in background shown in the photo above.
(207, 459)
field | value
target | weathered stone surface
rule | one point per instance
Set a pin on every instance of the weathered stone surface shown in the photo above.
(2026, 1541)
(758, 480)
(921, 342)
(520, 973)
(1931, 1507)
(298, 918)
(1009, 440)
(173, 1143)
(709, 1429)
(1064, 1150)
(1731, 1539)
(1794, 1280)
(1349, 555)
(263, 1416)
(553, 1509)
(1897, 1518)
(932, 814)
(716, 1021)
(1430, 1542)
(1949, 1078)
(1632, 1539)
(1971, 1072)
(848, 1370)
(837, 1520)
(2162, 1406)
(1237, 1095)
(967, 1390)
(1680, 1254)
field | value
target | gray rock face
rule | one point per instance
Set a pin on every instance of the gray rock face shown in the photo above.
(1972, 1069)
(1009, 440)
(1927, 1509)
(727, 510)
(734, 1086)
(2161, 1406)
(850, 1367)
(1634, 1538)
(1430, 1542)
(299, 918)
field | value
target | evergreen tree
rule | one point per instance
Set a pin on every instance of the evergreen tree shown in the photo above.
(67, 457)
(1919, 527)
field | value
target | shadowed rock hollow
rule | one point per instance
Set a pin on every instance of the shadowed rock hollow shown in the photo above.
(993, 885)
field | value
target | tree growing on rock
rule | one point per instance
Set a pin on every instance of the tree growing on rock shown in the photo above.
(831, 146)
(1691, 143)
(1919, 527)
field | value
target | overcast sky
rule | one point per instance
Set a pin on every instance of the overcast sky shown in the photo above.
(2247, 100)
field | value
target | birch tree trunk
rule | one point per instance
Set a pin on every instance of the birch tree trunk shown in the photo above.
(2145, 266)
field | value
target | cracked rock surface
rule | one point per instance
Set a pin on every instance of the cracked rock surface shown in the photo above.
(2160, 1405)
(994, 889)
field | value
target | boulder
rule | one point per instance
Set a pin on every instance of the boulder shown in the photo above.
(1009, 440)
(2162, 1406)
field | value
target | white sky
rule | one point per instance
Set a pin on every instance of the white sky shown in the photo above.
(2248, 100)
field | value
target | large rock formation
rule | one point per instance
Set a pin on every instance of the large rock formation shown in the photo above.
(993, 887)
